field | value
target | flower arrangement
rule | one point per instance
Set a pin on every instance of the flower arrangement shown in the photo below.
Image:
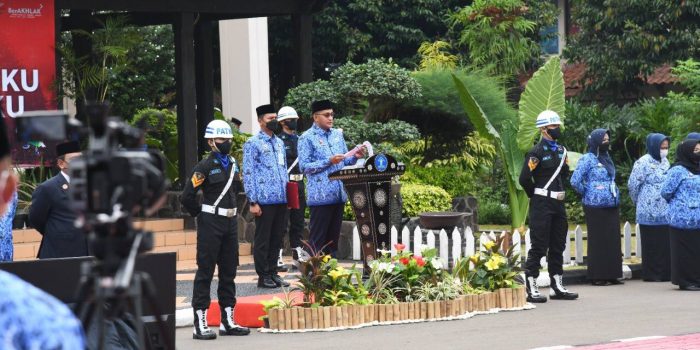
(490, 269)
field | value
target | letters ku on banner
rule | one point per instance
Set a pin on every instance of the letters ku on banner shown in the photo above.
(369, 188)
(27, 66)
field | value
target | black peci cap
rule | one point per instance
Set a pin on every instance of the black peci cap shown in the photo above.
(321, 105)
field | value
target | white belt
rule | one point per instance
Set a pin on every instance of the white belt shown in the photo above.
(552, 194)
(296, 177)
(229, 213)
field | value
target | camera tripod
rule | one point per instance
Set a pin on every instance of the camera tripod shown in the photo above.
(104, 297)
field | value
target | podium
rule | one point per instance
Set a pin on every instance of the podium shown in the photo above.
(369, 188)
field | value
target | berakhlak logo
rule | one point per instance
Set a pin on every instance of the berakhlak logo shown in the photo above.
(25, 12)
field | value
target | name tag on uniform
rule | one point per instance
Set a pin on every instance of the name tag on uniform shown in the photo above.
(215, 171)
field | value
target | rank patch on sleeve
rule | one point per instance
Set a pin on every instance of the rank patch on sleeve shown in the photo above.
(532, 163)
(197, 179)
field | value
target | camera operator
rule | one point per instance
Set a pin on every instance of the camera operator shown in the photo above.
(51, 213)
(30, 318)
(217, 232)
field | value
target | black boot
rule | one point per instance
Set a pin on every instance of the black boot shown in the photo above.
(201, 328)
(557, 290)
(228, 325)
(533, 293)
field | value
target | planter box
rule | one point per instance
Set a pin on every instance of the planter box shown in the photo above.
(298, 319)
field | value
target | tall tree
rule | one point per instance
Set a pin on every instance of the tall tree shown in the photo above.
(623, 40)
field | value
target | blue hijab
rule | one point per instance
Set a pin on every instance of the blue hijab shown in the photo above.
(595, 140)
(654, 141)
(693, 136)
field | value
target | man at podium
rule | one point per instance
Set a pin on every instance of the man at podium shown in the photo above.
(322, 150)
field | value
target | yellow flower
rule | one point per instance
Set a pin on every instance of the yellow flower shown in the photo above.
(488, 245)
(338, 272)
(475, 258)
(326, 258)
(493, 263)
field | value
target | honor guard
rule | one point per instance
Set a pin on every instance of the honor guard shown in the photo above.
(288, 118)
(218, 178)
(542, 178)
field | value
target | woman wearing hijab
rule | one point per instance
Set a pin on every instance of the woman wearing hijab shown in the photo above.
(682, 191)
(648, 174)
(594, 179)
(693, 136)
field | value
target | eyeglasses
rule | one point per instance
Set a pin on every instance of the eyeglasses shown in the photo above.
(327, 115)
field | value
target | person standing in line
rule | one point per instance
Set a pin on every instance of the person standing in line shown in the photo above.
(288, 119)
(322, 151)
(594, 179)
(265, 181)
(682, 191)
(542, 178)
(51, 214)
(648, 174)
(218, 178)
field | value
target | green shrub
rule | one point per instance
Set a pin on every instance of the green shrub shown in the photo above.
(357, 131)
(161, 135)
(455, 181)
(424, 198)
(300, 97)
(493, 213)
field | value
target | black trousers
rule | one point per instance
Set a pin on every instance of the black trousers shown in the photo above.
(685, 257)
(296, 219)
(217, 244)
(269, 228)
(324, 227)
(548, 228)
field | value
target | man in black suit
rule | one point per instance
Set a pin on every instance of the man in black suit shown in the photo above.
(50, 212)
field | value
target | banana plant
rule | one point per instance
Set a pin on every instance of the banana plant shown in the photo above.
(507, 148)
(516, 135)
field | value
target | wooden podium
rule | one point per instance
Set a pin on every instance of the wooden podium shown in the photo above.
(369, 188)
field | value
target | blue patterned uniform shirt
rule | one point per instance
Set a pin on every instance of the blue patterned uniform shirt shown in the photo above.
(682, 191)
(265, 170)
(6, 247)
(316, 147)
(648, 174)
(594, 183)
(32, 319)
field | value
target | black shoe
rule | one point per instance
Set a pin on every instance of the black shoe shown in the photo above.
(653, 280)
(228, 326)
(201, 328)
(282, 268)
(533, 293)
(616, 282)
(557, 290)
(691, 287)
(600, 283)
(266, 282)
(279, 281)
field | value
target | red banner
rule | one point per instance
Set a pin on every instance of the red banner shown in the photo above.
(27, 64)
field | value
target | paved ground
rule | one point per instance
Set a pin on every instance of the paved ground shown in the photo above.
(602, 315)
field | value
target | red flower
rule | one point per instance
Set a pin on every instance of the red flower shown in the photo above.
(400, 247)
(404, 261)
(419, 261)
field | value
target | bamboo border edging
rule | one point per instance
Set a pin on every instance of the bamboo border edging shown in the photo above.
(332, 318)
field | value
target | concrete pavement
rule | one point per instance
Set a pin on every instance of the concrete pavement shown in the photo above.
(601, 315)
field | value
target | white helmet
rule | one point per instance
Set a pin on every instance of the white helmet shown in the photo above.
(287, 112)
(218, 129)
(547, 118)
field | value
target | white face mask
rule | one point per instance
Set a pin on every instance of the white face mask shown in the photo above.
(664, 153)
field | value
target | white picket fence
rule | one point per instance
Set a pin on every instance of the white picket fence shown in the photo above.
(464, 244)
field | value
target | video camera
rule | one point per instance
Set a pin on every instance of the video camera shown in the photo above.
(114, 179)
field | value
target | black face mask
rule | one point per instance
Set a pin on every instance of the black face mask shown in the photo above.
(224, 147)
(554, 133)
(274, 126)
(292, 124)
(605, 147)
(695, 157)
